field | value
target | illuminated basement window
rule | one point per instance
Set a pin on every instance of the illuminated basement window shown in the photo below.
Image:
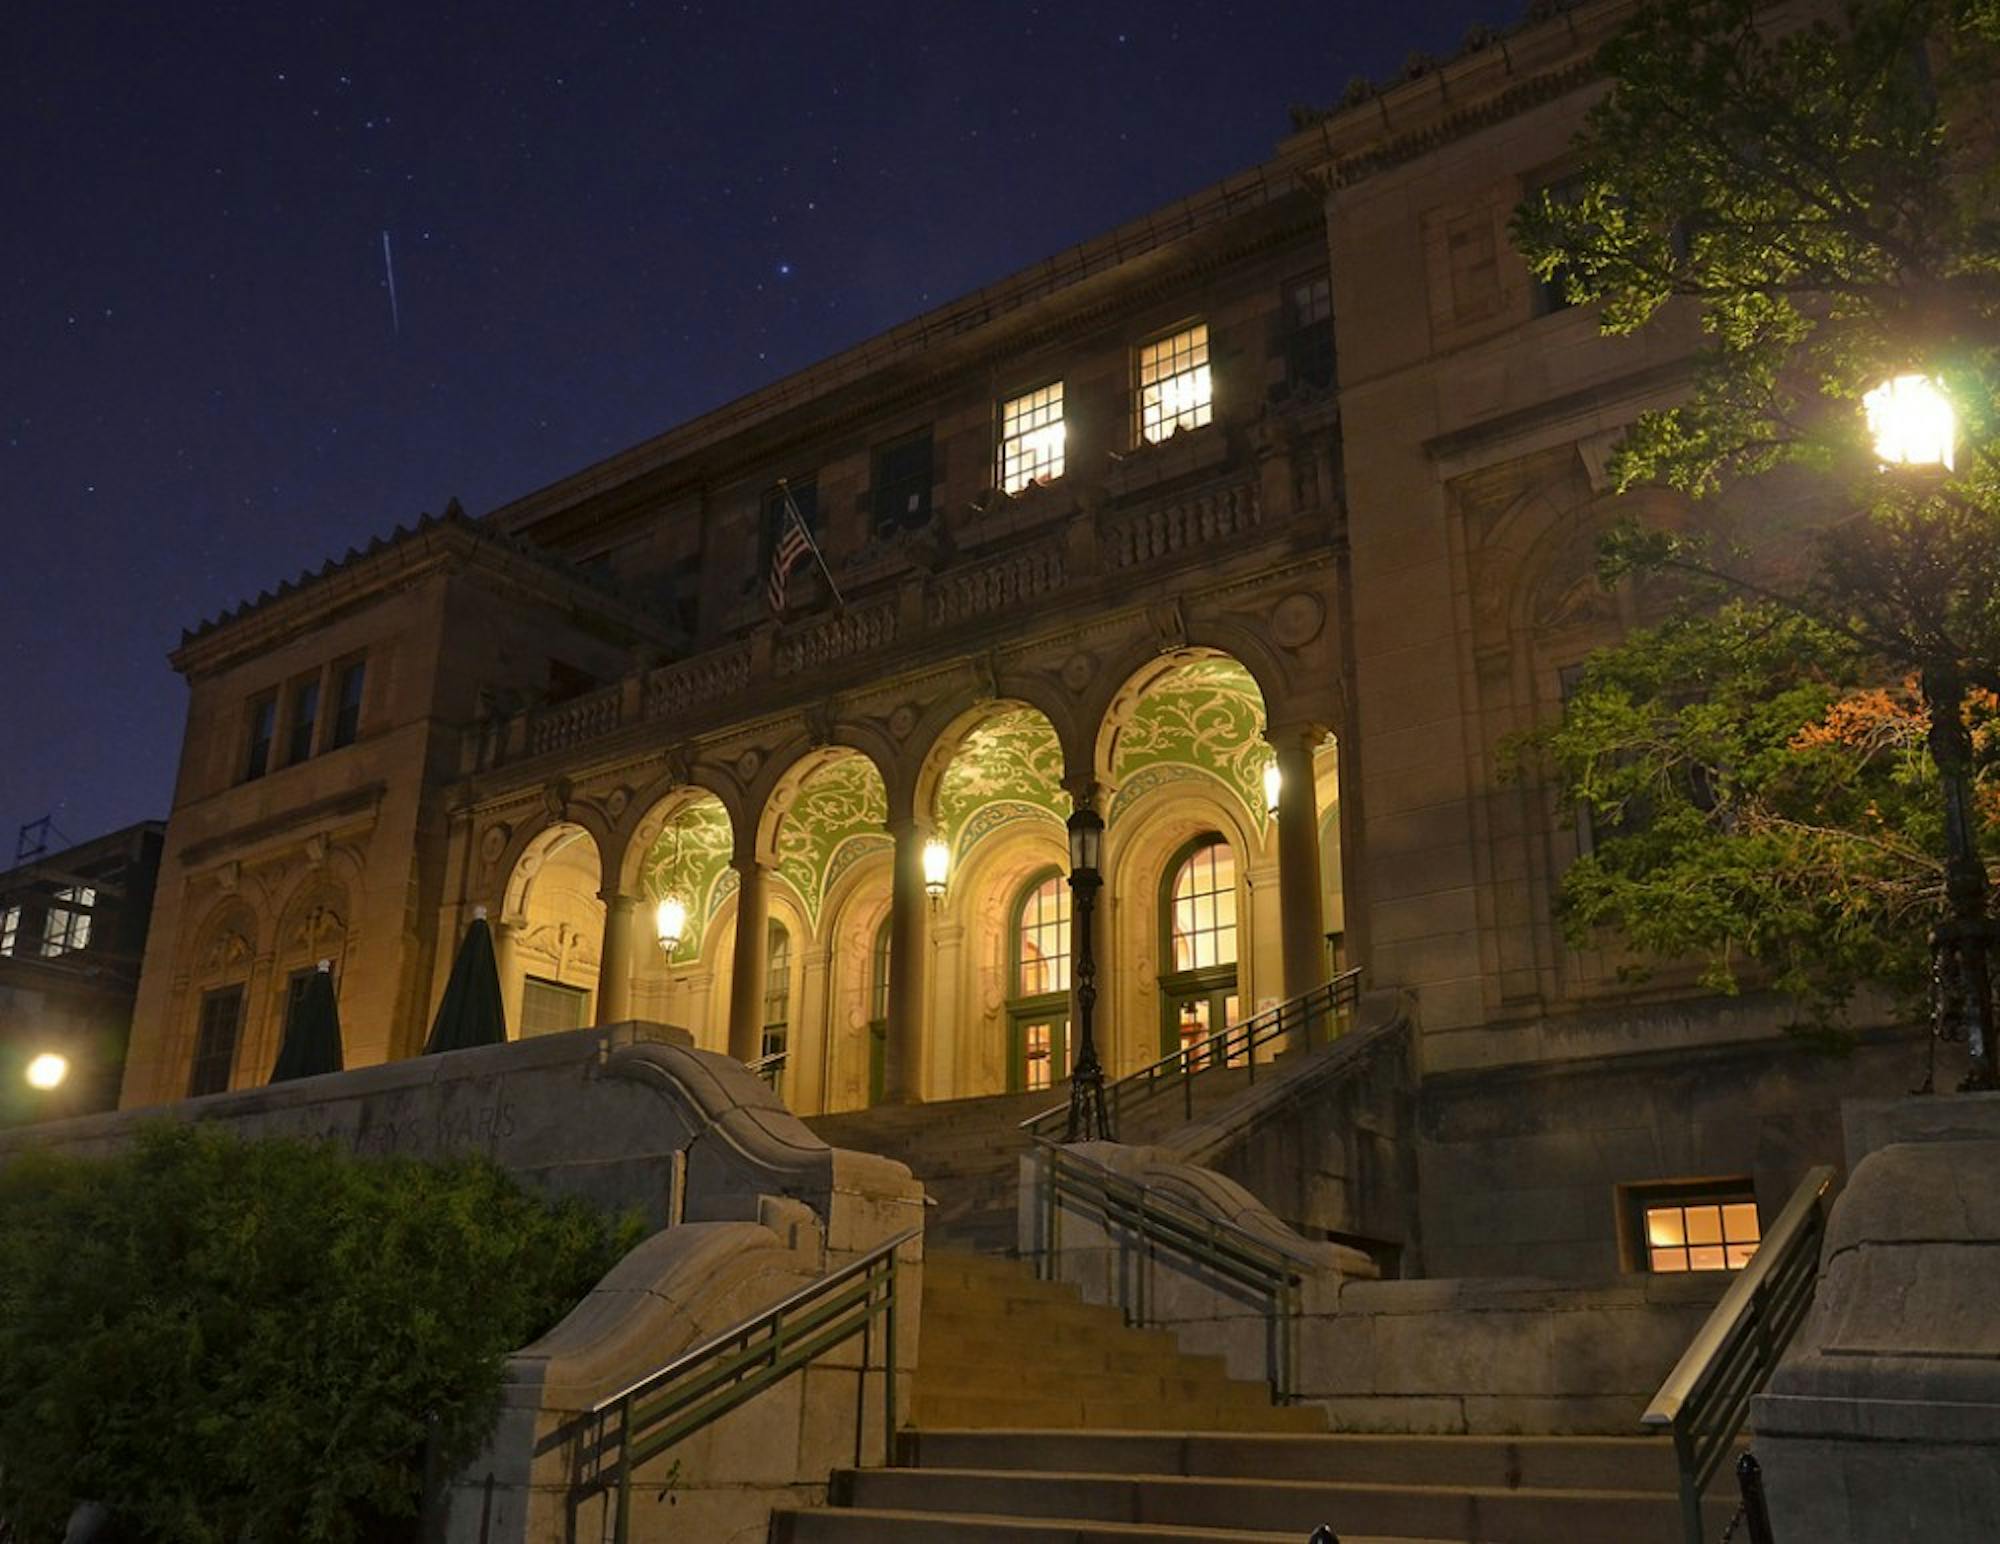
(1175, 391)
(1718, 1233)
(1032, 435)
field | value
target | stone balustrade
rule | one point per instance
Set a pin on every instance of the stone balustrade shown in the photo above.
(1179, 529)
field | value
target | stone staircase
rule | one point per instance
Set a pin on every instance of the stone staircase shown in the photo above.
(1041, 1419)
(967, 1151)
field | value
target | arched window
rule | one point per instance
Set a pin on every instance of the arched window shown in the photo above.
(1198, 916)
(777, 995)
(1038, 1005)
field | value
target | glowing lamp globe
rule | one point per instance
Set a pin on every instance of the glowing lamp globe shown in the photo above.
(937, 868)
(670, 923)
(1912, 422)
(1274, 782)
(48, 1070)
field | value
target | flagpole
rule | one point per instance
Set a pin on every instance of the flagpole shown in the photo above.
(818, 557)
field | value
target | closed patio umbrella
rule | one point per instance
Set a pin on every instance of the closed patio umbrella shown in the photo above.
(470, 1013)
(312, 1031)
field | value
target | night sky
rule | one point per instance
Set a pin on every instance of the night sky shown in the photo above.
(604, 219)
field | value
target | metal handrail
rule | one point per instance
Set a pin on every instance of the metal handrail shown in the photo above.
(665, 1407)
(769, 1068)
(1235, 1045)
(1707, 1396)
(1222, 1248)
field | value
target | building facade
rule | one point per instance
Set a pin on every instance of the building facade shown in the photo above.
(1257, 526)
(72, 934)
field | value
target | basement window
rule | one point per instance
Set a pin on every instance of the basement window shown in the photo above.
(1705, 1227)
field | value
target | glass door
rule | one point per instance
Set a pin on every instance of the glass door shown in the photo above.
(1040, 1049)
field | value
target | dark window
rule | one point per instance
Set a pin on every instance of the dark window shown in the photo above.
(1309, 332)
(215, 1042)
(1552, 293)
(902, 484)
(295, 992)
(777, 990)
(263, 726)
(347, 704)
(549, 1007)
(305, 719)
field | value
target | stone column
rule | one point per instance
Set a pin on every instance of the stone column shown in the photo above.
(909, 961)
(614, 960)
(947, 1006)
(1302, 930)
(751, 962)
(812, 1032)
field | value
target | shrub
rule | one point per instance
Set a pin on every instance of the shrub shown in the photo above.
(227, 1339)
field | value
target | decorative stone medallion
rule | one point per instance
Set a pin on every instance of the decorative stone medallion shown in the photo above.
(494, 843)
(1297, 619)
(748, 763)
(902, 721)
(1078, 671)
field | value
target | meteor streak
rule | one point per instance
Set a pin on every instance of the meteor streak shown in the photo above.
(389, 268)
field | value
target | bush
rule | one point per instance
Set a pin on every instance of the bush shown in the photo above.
(229, 1340)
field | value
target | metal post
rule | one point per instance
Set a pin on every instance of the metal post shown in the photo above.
(1962, 980)
(1089, 1118)
(1756, 1512)
(622, 1530)
(889, 1369)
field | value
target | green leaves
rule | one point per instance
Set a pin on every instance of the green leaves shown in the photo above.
(226, 1339)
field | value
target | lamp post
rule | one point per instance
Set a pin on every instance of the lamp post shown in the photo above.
(1089, 1116)
(1912, 424)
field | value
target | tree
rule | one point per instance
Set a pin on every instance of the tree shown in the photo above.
(226, 1340)
(1822, 196)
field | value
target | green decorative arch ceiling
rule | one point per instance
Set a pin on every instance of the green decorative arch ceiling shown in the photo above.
(1007, 768)
(690, 858)
(837, 819)
(1201, 718)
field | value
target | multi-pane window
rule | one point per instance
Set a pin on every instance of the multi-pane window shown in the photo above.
(1175, 390)
(215, 1041)
(263, 728)
(1042, 953)
(777, 989)
(1037, 1055)
(66, 925)
(346, 724)
(1309, 336)
(1718, 1234)
(1032, 436)
(549, 1007)
(10, 928)
(304, 720)
(902, 484)
(1204, 908)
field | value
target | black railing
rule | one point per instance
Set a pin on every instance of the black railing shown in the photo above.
(1159, 1224)
(1236, 1045)
(770, 1068)
(664, 1408)
(1707, 1396)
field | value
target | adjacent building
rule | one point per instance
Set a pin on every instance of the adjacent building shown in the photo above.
(72, 934)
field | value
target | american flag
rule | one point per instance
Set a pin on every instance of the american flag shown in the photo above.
(793, 543)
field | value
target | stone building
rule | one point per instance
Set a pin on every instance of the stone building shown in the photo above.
(1256, 525)
(72, 933)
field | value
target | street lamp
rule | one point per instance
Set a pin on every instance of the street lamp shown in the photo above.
(937, 866)
(1913, 425)
(1089, 1117)
(47, 1071)
(670, 919)
(1912, 422)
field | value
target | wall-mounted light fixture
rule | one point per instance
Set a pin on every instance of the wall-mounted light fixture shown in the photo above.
(1274, 783)
(48, 1070)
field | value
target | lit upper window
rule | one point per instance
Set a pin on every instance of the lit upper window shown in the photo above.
(1042, 950)
(10, 928)
(1032, 433)
(1204, 908)
(1175, 391)
(1719, 1235)
(66, 928)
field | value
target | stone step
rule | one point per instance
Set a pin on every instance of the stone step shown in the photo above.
(1548, 1463)
(1484, 1514)
(961, 1348)
(1176, 1384)
(846, 1526)
(1087, 1409)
